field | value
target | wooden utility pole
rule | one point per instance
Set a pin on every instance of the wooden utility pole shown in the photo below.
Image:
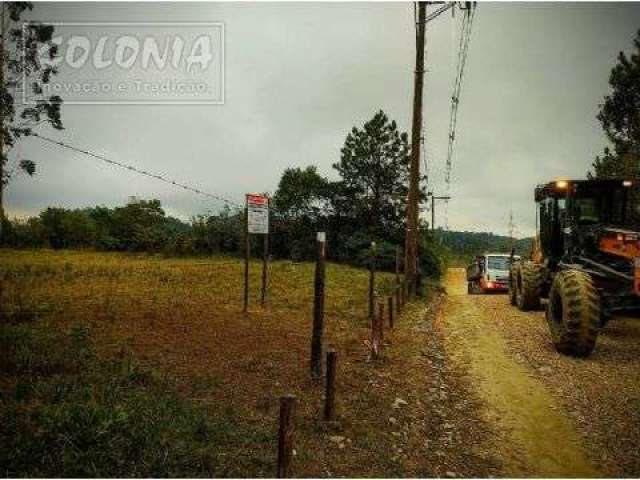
(411, 247)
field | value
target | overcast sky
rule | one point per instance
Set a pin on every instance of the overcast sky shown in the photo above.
(299, 76)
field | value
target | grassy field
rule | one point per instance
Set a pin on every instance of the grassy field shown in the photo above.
(137, 365)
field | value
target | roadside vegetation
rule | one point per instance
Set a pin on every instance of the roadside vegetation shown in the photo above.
(64, 412)
(135, 365)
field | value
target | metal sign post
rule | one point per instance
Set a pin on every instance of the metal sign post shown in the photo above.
(256, 222)
(265, 261)
(246, 259)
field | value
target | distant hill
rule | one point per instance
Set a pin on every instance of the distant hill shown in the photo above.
(464, 245)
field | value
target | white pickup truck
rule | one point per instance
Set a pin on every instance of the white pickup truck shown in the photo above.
(489, 273)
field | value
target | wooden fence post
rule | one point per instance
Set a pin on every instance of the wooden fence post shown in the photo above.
(330, 391)
(397, 265)
(407, 298)
(285, 435)
(398, 302)
(390, 306)
(318, 309)
(381, 321)
(372, 280)
(375, 346)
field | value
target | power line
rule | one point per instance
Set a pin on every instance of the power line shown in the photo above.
(139, 171)
(463, 50)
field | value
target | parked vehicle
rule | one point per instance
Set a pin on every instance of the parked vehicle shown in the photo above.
(585, 261)
(489, 273)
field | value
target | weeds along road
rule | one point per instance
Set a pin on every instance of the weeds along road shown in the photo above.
(552, 415)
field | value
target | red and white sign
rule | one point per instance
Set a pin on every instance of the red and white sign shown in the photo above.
(257, 200)
(257, 213)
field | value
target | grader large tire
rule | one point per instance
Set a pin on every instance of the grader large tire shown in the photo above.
(573, 313)
(529, 280)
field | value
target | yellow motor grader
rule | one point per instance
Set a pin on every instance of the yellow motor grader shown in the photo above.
(585, 261)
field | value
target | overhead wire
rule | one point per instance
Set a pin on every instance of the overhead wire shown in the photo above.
(137, 170)
(463, 51)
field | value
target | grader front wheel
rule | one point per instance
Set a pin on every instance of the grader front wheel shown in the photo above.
(528, 282)
(573, 313)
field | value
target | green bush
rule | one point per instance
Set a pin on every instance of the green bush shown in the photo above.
(432, 257)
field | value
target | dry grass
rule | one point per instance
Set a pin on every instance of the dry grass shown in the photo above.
(182, 319)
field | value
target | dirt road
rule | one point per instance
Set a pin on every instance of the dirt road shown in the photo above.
(552, 415)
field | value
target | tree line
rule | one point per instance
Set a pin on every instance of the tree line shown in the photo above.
(465, 245)
(366, 204)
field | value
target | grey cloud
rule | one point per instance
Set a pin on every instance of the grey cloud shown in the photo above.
(299, 76)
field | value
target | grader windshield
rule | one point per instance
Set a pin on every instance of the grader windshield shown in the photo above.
(584, 202)
(566, 204)
(601, 204)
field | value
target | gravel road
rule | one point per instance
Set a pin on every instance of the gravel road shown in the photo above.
(553, 415)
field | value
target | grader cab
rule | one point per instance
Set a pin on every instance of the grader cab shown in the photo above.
(585, 261)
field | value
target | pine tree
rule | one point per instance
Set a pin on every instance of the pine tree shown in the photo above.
(620, 118)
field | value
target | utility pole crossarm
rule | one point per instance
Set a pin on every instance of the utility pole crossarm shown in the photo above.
(444, 8)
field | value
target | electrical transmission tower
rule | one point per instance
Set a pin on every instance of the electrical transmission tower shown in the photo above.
(512, 231)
